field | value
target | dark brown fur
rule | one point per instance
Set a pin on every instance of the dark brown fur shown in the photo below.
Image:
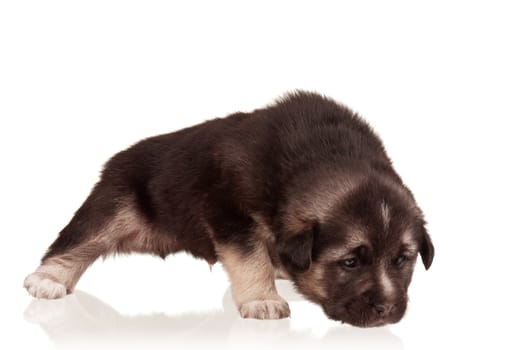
(211, 188)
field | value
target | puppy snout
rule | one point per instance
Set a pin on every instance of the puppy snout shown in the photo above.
(380, 307)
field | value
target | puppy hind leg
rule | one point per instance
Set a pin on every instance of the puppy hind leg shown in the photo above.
(252, 283)
(57, 275)
(79, 244)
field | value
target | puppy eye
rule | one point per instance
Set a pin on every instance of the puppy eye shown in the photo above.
(349, 263)
(401, 260)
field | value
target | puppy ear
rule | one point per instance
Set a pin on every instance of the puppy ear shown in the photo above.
(426, 248)
(295, 252)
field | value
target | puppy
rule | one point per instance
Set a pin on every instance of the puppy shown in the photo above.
(302, 189)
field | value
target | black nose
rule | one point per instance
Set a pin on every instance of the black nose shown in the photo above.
(382, 309)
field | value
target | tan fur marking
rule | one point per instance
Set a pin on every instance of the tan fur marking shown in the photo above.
(252, 276)
(385, 214)
(266, 236)
(319, 203)
(252, 280)
(386, 283)
(313, 279)
(355, 239)
(312, 283)
(408, 240)
(126, 232)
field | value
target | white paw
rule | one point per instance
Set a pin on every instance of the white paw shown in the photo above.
(42, 287)
(265, 309)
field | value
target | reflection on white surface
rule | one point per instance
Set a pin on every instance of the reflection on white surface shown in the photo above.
(82, 321)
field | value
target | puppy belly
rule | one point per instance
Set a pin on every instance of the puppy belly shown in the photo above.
(265, 309)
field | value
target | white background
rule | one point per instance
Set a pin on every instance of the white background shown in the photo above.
(444, 84)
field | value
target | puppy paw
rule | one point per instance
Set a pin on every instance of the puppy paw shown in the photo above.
(265, 309)
(43, 287)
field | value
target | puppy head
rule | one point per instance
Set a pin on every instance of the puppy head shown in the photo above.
(357, 261)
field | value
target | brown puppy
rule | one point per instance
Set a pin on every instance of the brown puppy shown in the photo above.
(302, 189)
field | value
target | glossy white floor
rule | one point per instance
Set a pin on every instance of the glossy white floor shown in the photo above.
(444, 85)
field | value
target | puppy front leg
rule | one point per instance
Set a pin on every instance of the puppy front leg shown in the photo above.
(252, 282)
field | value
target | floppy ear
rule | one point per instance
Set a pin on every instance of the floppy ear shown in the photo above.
(295, 252)
(426, 248)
